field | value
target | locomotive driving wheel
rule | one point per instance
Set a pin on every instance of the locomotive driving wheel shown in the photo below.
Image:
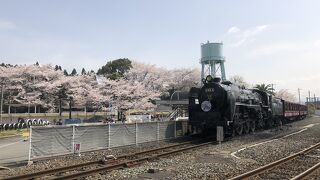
(269, 124)
(261, 123)
(246, 126)
(238, 128)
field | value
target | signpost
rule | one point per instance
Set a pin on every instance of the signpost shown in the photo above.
(220, 134)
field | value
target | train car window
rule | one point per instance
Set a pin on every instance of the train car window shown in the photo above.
(285, 106)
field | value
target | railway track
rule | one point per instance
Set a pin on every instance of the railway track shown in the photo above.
(308, 172)
(93, 167)
(296, 166)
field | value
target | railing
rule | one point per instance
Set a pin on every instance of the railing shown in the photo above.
(177, 112)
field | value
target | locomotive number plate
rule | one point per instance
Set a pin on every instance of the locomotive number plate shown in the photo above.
(209, 90)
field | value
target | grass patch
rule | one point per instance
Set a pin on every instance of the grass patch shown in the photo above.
(13, 132)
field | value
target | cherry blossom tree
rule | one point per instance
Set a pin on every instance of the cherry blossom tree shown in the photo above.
(239, 80)
(138, 88)
(286, 95)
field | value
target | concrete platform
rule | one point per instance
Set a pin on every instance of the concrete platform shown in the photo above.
(13, 150)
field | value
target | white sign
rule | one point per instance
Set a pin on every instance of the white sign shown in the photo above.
(220, 134)
(76, 148)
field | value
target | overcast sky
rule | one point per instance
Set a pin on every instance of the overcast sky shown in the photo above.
(265, 41)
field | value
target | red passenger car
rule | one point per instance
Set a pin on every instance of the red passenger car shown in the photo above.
(294, 111)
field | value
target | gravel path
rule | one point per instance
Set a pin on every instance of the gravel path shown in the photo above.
(211, 162)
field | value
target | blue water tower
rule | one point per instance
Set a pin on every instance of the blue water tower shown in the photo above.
(212, 61)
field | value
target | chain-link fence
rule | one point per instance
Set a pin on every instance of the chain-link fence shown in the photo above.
(59, 140)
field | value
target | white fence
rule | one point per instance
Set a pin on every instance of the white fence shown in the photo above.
(139, 118)
(58, 140)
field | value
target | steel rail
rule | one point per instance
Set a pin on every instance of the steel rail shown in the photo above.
(307, 172)
(72, 167)
(50, 171)
(126, 163)
(273, 164)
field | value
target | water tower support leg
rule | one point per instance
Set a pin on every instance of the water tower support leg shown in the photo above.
(223, 73)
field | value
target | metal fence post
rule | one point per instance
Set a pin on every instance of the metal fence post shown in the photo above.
(175, 129)
(73, 135)
(158, 131)
(109, 134)
(136, 133)
(30, 147)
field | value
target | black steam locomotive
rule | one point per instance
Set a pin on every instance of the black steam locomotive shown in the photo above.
(237, 109)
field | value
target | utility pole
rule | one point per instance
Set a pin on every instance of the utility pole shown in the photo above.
(309, 97)
(314, 99)
(299, 95)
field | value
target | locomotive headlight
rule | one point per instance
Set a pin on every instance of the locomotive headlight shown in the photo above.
(206, 106)
(196, 101)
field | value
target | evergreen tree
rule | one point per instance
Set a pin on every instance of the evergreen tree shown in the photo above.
(83, 72)
(56, 68)
(60, 68)
(115, 69)
(74, 72)
(65, 72)
(37, 63)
